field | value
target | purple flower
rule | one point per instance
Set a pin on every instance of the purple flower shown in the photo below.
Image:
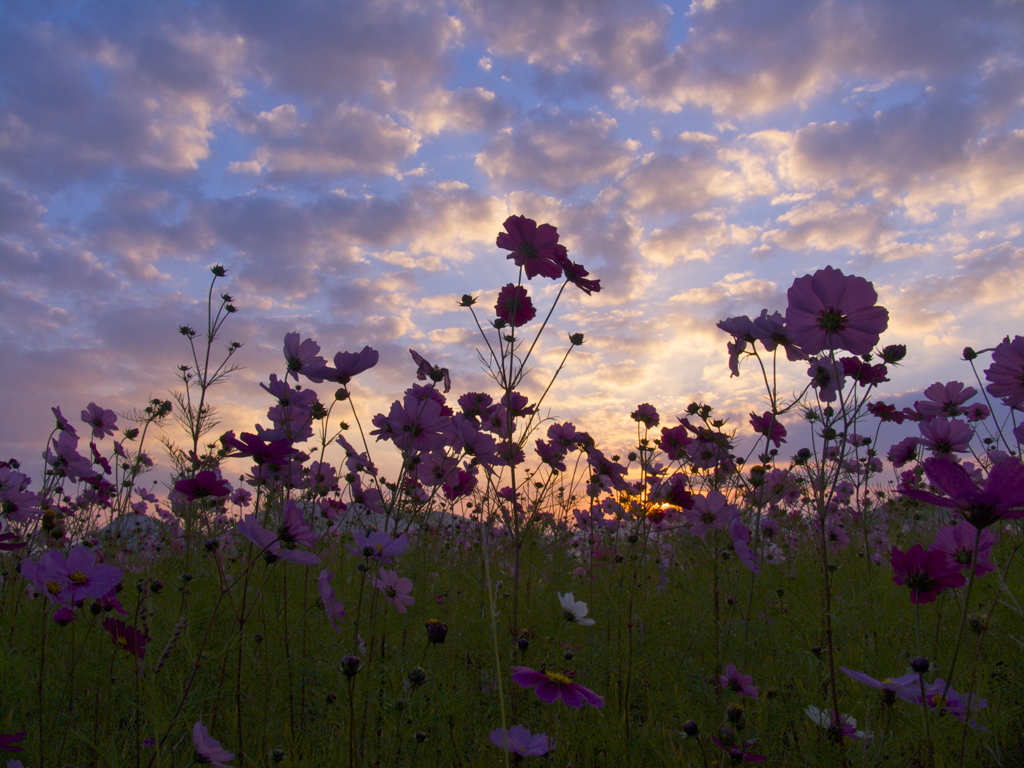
(904, 451)
(1001, 498)
(534, 248)
(346, 366)
(396, 589)
(514, 307)
(742, 684)
(576, 274)
(426, 371)
(7, 741)
(945, 399)
(957, 541)
(270, 544)
(827, 377)
(126, 637)
(101, 420)
(551, 686)
(771, 331)
(294, 528)
(63, 424)
(208, 749)
(769, 426)
(518, 741)
(944, 435)
(65, 460)
(712, 511)
(925, 572)
(66, 580)
(206, 484)
(378, 545)
(645, 414)
(301, 357)
(1006, 374)
(906, 687)
(276, 452)
(829, 310)
(333, 608)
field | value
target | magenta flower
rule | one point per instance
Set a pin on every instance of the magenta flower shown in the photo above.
(378, 545)
(771, 331)
(739, 753)
(576, 274)
(66, 580)
(514, 306)
(551, 686)
(1002, 497)
(945, 399)
(1006, 374)
(63, 424)
(827, 377)
(925, 572)
(276, 452)
(126, 637)
(712, 511)
(957, 541)
(426, 371)
(332, 607)
(646, 414)
(301, 356)
(294, 528)
(742, 684)
(206, 484)
(830, 311)
(101, 420)
(944, 435)
(396, 589)
(769, 426)
(534, 248)
(270, 544)
(65, 460)
(209, 751)
(518, 741)
(346, 366)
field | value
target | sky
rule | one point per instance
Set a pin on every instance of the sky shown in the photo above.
(351, 163)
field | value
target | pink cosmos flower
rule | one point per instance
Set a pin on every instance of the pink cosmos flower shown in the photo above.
(945, 399)
(301, 356)
(378, 545)
(206, 484)
(732, 680)
(905, 687)
(944, 435)
(769, 426)
(68, 579)
(426, 371)
(827, 377)
(551, 686)
(101, 420)
(534, 248)
(333, 608)
(514, 306)
(126, 637)
(957, 541)
(1006, 374)
(63, 424)
(208, 749)
(646, 414)
(925, 572)
(396, 589)
(830, 310)
(1001, 497)
(711, 511)
(271, 545)
(518, 741)
(346, 366)
(65, 460)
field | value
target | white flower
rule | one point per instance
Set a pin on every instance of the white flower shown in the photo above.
(574, 610)
(843, 723)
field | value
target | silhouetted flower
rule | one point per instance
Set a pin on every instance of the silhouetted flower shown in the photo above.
(925, 572)
(830, 310)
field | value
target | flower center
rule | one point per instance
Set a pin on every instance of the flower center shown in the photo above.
(79, 578)
(560, 679)
(832, 321)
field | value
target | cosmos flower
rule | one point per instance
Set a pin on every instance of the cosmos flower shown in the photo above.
(944, 435)
(206, 484)
(270, 544)
(906, 687)
(925, 572)
(830, 311)
(1001, 498)
(518, 741)
(827, 377)
(396, 589)
(378, 545)
(68, 579)
(945, 399)
(334, 609)
(957, 541)
(742, 684)
(534, 248)
(346, 366)
(208, 750)
(101, 420)
(301, 356)
(551, 686)
(645, 414)
(514, 306)
(126, 637)
(1006, 374)
(768, 425)
(435, 373)
(574, 610)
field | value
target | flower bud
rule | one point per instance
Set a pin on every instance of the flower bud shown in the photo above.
(690, 728)
(920, 664)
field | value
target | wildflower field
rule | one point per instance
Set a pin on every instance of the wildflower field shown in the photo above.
(512, 594)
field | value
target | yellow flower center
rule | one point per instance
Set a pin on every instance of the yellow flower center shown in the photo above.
(79, 578)
(53, 587)
(555, 677)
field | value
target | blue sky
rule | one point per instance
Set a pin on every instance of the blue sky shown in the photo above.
(351, 164)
